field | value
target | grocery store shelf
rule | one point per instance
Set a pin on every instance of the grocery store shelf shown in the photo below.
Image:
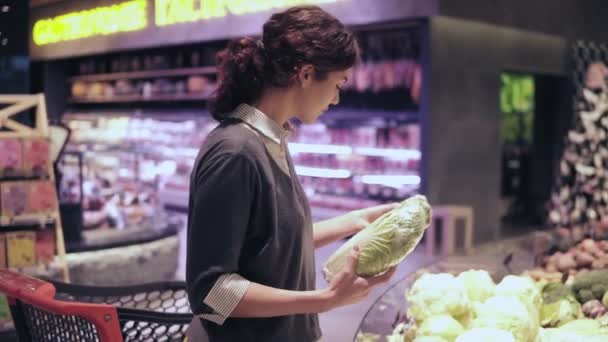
(295, 148)
(140, 98)
(321, 172)
(344, 117)
(25, 222)
(145, 74)
(393, 181)
(394, 153)
(23, 178)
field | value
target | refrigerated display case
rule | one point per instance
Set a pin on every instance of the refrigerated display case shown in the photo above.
(347, 167)
(126, 158)
(135, 164)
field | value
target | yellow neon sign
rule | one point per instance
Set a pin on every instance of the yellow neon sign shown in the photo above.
(132, 16)
(122, 17)
(169, 12)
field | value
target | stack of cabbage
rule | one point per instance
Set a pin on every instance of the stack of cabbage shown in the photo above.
(472, 308)
(386, 241)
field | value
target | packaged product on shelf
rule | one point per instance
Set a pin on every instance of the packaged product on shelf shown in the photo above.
(3, 263)
(364, 137)
(14, 198)
(197, 84)
(95, 90)
(43, 197)
(79, 89)
(20, 247)
(36, 157)
(45, 245)
(11, 161)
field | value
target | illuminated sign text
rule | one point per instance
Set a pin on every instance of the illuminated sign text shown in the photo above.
(133, 15)
(182, 11)
(122, 17)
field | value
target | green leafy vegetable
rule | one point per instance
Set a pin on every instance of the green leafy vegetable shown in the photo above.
(386, 241)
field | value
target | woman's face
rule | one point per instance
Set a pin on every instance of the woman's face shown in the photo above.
(315, 96)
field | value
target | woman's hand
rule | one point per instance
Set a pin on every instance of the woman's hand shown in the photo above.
(363, 217)
(347, 287)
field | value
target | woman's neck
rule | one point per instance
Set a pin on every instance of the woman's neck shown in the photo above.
(277, 104)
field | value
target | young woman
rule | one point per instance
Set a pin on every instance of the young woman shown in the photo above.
(251, 242)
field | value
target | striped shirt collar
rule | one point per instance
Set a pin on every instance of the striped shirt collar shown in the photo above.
(262, 123)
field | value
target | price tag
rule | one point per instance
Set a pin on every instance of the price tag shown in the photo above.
(21, 249)
(43, 197)
(11, 160)
(14, 198)
(45, 246)
(36, 157)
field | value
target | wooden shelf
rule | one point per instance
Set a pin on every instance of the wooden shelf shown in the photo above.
(18, 104)
(140, 98)
(209, 70)
(30, 220)
(24, 178)
(21, 227)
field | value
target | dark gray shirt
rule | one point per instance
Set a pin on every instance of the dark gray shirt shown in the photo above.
(248, 217)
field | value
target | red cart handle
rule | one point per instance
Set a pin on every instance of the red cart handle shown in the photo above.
(40, 294)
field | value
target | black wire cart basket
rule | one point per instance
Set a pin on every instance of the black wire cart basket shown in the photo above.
(54, 311)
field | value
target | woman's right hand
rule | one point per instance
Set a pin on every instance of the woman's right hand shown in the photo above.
(347, 287)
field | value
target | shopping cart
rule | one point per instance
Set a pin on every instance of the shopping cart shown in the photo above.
(53, 311)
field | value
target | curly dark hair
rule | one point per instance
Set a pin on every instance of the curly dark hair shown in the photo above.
(297, 36)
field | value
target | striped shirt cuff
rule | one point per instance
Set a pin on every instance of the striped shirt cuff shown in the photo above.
(224, 296)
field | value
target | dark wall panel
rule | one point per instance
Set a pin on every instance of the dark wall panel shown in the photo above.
(463, 116)
(572, 19)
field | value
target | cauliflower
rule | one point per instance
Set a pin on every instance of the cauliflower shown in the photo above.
(486, 335)
(443, 326)
(429, 339)
(557, 335)
(526, 291)
(478, 284)
(392, 338)
(579, 330)
(506, 313)
(585, 326)
(466, 319)
(523, 288)
(436, 294)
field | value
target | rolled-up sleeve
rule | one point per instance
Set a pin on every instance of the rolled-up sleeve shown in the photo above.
(224, 297)
(221, 197)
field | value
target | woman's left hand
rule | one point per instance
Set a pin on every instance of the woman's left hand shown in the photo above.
(363, 217)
